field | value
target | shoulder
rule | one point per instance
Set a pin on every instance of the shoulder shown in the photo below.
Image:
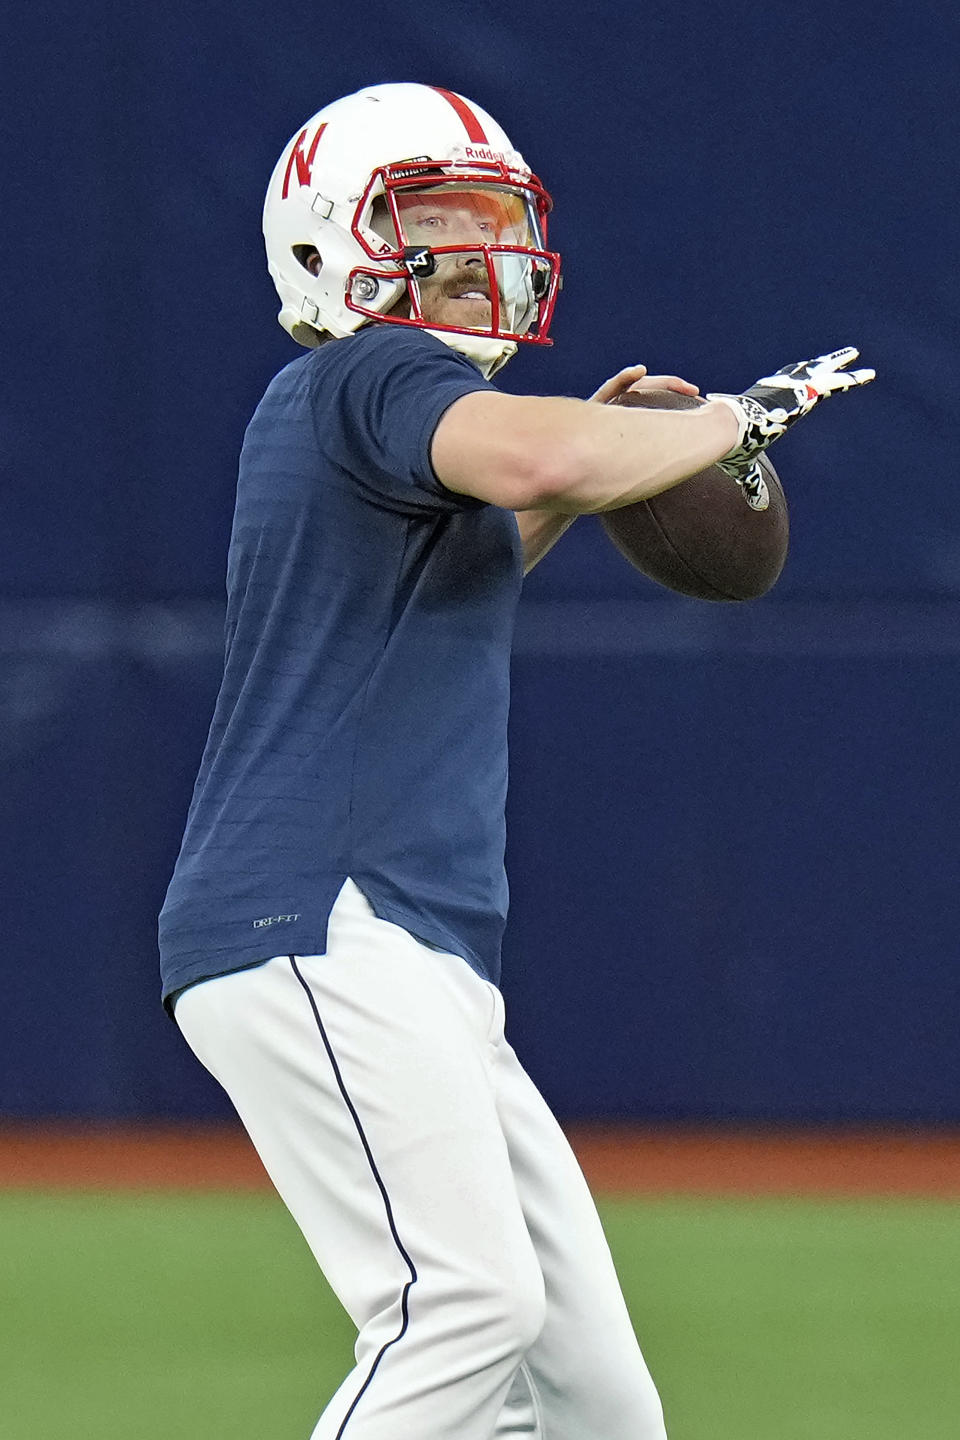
(369, 361)
(293, 379)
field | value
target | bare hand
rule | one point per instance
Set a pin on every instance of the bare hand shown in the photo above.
(635, 377)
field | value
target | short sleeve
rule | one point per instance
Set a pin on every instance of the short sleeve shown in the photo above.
(377, 399)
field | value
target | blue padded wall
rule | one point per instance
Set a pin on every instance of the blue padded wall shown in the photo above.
(733, 837)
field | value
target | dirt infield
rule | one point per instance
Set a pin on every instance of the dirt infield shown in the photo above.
(616, 1160)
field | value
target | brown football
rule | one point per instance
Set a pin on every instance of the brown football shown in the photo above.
(701, 538)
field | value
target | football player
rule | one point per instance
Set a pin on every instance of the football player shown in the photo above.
(331, 936)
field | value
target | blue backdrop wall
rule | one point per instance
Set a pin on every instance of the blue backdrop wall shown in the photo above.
(733, 830)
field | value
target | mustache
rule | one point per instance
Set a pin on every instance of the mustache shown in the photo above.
(475, 277)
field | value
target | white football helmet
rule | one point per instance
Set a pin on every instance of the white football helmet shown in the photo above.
(373, 176)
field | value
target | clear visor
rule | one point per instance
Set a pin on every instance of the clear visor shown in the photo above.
(454, 220)
(458, 215)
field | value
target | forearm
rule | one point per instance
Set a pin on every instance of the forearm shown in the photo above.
(539, 532)
(573, 456)
(617, 455)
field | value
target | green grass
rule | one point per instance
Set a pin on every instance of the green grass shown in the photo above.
(202, 1317)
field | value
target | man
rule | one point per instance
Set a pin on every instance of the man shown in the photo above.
(331, 937)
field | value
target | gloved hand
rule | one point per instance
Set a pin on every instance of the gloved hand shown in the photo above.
(768, 409)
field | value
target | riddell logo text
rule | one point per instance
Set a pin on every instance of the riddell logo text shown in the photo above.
(483, 152)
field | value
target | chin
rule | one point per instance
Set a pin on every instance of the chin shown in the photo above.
(469, 314)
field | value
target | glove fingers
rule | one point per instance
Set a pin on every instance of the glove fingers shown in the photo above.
(836, 360)
(814, 370)
(829, 385)
(802, 369)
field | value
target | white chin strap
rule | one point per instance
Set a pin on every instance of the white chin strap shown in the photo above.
(487, 354)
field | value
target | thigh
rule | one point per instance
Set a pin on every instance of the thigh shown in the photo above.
(586, 1370)
(364, 1078)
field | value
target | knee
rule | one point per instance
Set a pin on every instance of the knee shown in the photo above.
(528, 1312)
(516, 1308)
(621, 1406)
(648, 1411)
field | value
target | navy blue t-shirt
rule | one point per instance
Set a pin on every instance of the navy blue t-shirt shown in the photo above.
(361, 727)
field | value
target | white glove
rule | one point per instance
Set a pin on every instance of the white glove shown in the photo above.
(768, 409)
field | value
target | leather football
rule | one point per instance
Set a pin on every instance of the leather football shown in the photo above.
(700, 537)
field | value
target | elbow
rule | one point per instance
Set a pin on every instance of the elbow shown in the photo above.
(545, 477)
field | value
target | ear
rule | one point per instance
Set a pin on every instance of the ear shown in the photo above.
(309, 258)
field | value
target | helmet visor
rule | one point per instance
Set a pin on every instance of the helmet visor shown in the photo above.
(471, 249)
(486, 268)
(457, 215)
(460, 215)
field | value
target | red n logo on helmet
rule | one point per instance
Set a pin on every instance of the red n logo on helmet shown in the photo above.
(304, 162)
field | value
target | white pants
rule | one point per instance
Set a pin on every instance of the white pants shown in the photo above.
(434, 1187)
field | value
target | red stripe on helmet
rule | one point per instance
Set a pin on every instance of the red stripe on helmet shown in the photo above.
(313, 147)
(475, 130)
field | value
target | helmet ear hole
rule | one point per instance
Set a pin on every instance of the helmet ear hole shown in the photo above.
(309, 257)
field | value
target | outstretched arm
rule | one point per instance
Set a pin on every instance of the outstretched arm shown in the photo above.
(533, 453)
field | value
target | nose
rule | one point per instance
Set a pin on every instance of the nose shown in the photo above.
(469, 231)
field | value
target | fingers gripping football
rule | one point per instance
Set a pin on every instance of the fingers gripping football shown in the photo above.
(768, 409)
